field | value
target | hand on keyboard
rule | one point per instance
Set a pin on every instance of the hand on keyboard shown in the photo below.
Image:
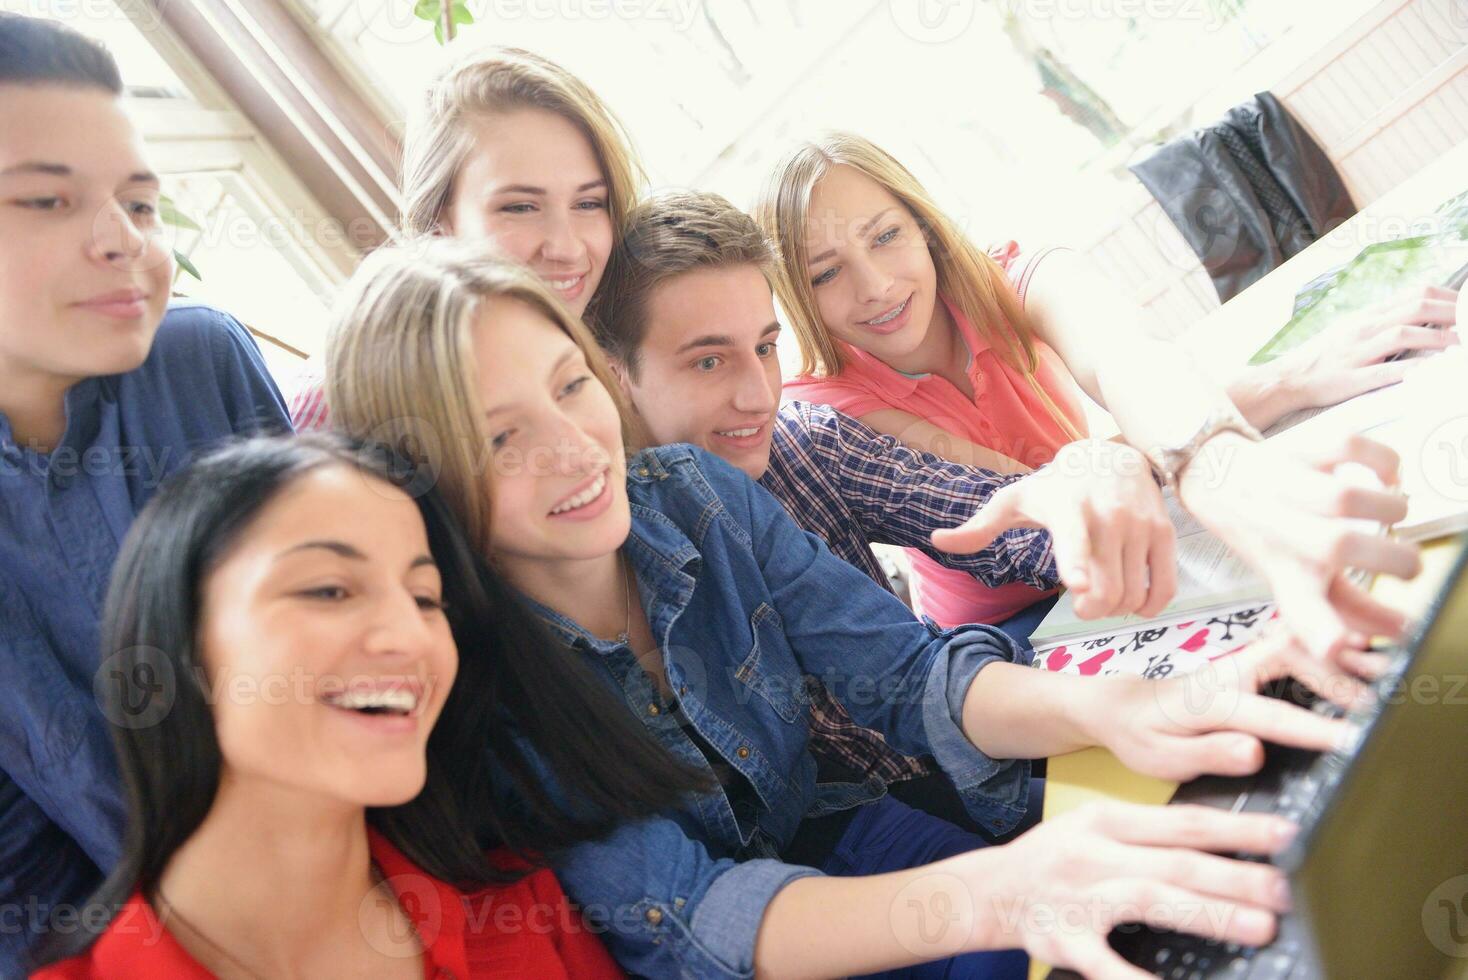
(1212, 721)
(1059, 889)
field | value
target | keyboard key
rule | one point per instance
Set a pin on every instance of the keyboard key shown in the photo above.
(1273, 965)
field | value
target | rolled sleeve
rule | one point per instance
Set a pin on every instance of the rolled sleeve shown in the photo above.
(666, 907)
(726, 923)
(995, 791)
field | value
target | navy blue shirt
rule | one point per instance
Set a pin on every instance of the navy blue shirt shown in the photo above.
(63, 515)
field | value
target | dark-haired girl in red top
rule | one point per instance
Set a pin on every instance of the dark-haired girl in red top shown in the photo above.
(281, 637)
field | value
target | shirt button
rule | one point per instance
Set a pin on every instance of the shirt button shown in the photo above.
(654, 917)
(653, 709)
(742, 752)
(60, 481)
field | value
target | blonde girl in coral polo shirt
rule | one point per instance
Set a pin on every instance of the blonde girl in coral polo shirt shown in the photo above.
(907, 325)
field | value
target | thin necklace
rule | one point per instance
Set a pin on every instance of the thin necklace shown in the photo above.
(171, 912)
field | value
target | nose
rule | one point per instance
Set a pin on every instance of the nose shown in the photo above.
(872, 283)
(752, 392)
(561, 245)
(116, 239)
(398, 630)
(575, 451)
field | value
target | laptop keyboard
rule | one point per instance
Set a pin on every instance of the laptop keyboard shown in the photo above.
(1293, 783)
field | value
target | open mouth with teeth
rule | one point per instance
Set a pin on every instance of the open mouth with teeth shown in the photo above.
(400, 702)
(890, 315)
(565, 285)
(745, 433)
(587, 496)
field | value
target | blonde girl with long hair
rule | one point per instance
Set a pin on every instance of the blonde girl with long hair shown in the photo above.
(981, 357)
(509, 148)
(702, 608)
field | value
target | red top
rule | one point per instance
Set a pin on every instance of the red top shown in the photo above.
(524, 929)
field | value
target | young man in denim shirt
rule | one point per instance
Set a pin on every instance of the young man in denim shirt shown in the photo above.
(102, 394)
(687, 314)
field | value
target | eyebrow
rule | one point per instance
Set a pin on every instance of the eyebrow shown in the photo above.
(860, 230)
(560, 362)
(37, 167)
(532, 189)
(62, 170)
(722, 340)
(347, 551)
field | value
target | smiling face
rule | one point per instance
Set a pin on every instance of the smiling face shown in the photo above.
(84, 271)
(557, 475)
(870, 269)
(707, 369)
(323, 636)
(532, 185)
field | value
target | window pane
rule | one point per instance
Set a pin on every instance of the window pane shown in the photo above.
(247, 267)
(1043, 99)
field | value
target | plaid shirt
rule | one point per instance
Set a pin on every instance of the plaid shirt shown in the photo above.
(842, 481)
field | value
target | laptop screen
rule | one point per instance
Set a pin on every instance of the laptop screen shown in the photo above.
(1382, 877)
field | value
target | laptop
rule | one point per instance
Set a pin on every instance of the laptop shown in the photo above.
(1379, 870)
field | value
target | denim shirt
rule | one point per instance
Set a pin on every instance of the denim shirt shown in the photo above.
(63, 515)
(745, 605)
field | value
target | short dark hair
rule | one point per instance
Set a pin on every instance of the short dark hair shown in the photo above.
(667, 235)
(34, 51)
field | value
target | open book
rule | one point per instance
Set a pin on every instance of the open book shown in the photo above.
(1209, 578)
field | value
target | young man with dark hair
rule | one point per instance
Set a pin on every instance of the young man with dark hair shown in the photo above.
(687, 314)
(101, 396)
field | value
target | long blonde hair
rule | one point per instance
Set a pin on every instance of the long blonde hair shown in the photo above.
(400, 365)
(972, 281)
(496, 80)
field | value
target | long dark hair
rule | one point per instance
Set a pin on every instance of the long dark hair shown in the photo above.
(518, 691)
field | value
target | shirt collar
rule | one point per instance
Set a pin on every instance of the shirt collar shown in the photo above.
(137, 946)
(82, 416)
(436, 908)
(665, 560)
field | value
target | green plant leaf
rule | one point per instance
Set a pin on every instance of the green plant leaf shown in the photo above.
(427, 9)
(169, 214)
(186, 265)
(461, 15)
